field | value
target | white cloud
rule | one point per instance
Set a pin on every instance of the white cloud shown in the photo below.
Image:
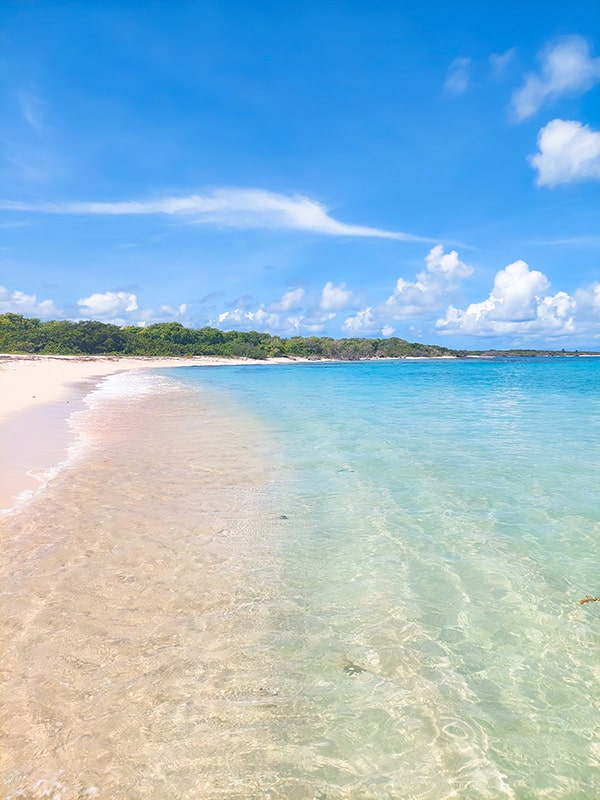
(568, 152)
(443, 273)
(362, 322)
(310, 313)
(566, 68)
(516, 290)
(291, 299)
(432, 287)
(517, 305)
(107, 304)
(247, 320)
(26, 304)
(447, 265)
(310, 323)
(237, 208)
(262, 319)
(170, 311)
(458, 76)
(335, 298)
(148, 316)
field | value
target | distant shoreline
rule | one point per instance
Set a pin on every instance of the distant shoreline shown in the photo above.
(31, 379)
(22, 336)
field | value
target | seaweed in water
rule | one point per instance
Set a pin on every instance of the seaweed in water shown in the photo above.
(351, 668)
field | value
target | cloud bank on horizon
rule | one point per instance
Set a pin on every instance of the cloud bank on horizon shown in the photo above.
(497, 146)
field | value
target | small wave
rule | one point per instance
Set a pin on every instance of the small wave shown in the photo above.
(123, 386)
(130, 385)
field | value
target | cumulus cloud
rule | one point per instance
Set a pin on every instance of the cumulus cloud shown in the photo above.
(173, 311)
(250, 320)
(566, 68)
(568, 152)
(458, 76)
(518, 304)
(262, 319)
(291, 299)
(442, 276)
(444, 272)
(335, 298)
(107, 304)
(122, 308)
(310, 313)
(362, 322)
(230, 207)
(313, 322)
(28, 305)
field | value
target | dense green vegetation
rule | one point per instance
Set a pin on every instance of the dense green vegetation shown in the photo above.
(19, 334)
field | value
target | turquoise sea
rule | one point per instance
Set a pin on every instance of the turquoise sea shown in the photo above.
(314, 581)
(418, 611)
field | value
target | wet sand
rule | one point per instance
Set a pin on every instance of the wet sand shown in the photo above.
(129, 619)
(38, 394)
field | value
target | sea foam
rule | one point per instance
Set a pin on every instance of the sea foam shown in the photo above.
(124, 387)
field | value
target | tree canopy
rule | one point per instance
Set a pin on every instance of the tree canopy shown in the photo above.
(20, 334)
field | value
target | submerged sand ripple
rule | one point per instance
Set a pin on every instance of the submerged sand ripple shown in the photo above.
(128, 634)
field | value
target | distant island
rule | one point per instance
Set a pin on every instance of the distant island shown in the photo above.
(22, 335)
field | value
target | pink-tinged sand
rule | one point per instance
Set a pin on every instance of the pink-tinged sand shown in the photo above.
(34, 380)
(37, 396)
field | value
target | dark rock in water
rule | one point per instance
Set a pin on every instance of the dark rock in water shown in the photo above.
(352, 669)
(283, 516)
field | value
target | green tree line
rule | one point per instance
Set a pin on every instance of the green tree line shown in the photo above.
(20, 334)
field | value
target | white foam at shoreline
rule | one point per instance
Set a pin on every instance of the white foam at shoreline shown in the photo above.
(123, 386)
(130, 385)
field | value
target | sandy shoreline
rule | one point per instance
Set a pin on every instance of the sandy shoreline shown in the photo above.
(38, 394)
(32, 380)
(120, 617)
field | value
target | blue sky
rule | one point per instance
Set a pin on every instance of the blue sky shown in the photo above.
(329, 168)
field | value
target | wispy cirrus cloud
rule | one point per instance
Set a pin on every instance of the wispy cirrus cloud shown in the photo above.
(566, 68)
(228, 207)
(499, 62)
(458, 76)
(31, 106)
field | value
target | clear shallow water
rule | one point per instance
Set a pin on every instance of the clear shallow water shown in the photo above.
(442, 524)
(330, 581)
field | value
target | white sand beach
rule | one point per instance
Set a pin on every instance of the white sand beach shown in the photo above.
(38, 394)
(121, 578)
(32, 380)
